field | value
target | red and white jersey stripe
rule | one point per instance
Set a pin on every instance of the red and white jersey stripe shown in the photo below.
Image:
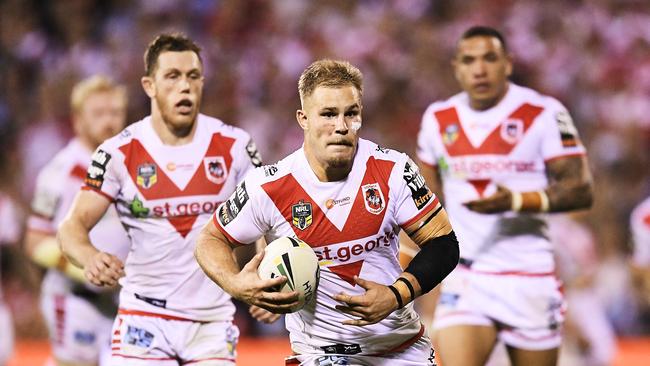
(353, 227)
(164, 195)
(509, 145)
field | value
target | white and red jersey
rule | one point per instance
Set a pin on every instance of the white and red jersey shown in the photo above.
(56, 186)
(164, 195)
(640, 227)
(353, 227)
(509, 145)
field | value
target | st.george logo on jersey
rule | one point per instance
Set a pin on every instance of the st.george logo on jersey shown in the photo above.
(373, 198)
(512, 130)
(215, 169)
(301, 215)
(147, 175)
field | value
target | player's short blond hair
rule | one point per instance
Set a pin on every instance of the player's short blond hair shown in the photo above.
(92, 85)
(330, 73)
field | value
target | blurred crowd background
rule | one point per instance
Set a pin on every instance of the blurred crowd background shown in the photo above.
(594, 56)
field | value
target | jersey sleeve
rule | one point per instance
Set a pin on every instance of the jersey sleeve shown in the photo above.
(250, 158)
(45, 203)
(103, 174)
(560, 134)
(413, 197)
(240, 218)
(427, 151)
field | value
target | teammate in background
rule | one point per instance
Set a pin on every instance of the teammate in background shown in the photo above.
(348, 198)
(506, 155)
(166, 174)
(78, 315)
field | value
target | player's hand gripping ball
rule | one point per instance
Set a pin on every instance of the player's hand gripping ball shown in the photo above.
(295, 260)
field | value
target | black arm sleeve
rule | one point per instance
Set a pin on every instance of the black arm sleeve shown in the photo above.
(436, 259)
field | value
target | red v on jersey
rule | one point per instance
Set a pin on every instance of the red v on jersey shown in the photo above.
(136, 155)
(286, 192)
(494, 143)
(78, 171)
(347, 271)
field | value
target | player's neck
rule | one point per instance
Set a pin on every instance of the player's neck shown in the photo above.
(326, 172)
(170, 134)
(485, 104)
(87, 143)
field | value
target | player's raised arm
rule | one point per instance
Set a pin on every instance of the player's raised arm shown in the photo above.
(214, 253)
(100, 268)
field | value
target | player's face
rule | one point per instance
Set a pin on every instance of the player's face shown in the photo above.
(176, 87)
(482, 68)
(102, 115)
(331, 118)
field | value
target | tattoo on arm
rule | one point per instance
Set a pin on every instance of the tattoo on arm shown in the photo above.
(570, 184)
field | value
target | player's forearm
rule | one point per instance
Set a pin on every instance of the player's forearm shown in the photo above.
(572, 195)
(43, 249)
(75, 243)
(216, 258)
(435, 260)
(570, 186)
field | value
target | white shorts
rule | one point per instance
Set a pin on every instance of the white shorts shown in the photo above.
(79, 332)
(528, 310)
(419, 353)
(7, 332)
(142, 338)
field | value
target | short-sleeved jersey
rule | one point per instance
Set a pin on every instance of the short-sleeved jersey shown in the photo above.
(353, 227)
(509, 145)
(640, 227)
(56, 186)
(164, 195)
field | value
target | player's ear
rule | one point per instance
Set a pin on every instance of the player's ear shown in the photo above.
(509, 61)
(148, 86)
(454, 65)
(301, 117)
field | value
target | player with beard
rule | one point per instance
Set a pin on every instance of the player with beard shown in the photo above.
(348, 198)
(165, 175)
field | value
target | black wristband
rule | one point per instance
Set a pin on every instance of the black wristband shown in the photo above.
(408, 284)
(400, 303)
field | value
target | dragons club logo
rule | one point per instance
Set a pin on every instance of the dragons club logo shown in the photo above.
(373, 198)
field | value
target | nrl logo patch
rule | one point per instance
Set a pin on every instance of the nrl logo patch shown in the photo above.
(215, 169)
(451, 134)
(512, 130)
(301, 215)
(373, 198)
(147, 175)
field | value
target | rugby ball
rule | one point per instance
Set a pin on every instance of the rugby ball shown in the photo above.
(296, 260)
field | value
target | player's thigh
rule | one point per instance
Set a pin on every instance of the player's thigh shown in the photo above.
(77, 329)
(211, 344)
(522, 357)
(7, 332)
(141, 341)
(465, 345)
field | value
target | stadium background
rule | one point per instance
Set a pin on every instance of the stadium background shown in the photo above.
(594, 56)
